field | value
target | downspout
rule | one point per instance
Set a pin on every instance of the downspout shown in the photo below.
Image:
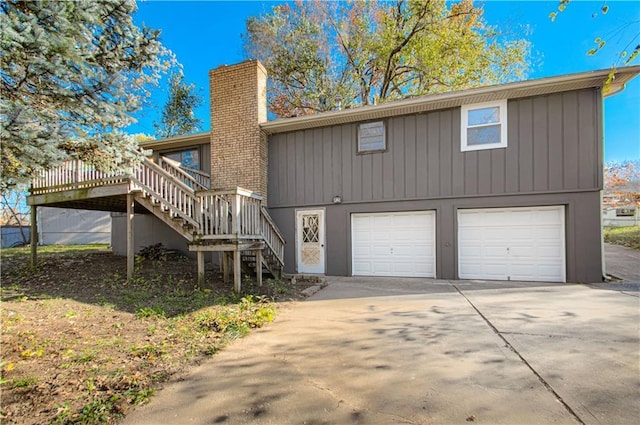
(602, 259)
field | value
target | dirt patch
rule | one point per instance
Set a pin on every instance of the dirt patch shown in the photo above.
(80, 344)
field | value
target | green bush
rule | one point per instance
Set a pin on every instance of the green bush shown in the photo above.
(625, 236)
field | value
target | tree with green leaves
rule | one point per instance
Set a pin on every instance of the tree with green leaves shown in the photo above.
(177, 115)
(324, 56)
(627, 54)
(72, 73)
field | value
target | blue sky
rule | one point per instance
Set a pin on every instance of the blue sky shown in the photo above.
(206, 34)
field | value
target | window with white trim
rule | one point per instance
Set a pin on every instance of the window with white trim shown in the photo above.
(371, 137)
(484, 126)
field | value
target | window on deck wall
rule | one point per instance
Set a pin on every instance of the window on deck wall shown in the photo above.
(484, 126)
(189, 158)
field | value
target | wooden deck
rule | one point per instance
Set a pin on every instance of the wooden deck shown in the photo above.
(230, 220)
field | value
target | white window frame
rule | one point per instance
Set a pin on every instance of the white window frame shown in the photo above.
(384, 137)
(502, 105)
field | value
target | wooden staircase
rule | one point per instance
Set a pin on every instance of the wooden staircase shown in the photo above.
(232, 221)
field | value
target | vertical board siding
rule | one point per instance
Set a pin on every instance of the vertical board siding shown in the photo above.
(553, 145)
(498, 178)
(586, 131)
(410, 165)
(554, 138)
(348, 143)
(429, 154)
(484, 172)
(525, 143)
(470, 173)
(570, 139)
(540, 144)
(397, 144)
(512, 178)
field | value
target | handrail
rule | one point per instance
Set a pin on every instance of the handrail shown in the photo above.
(202, 178)
(272, 236)
(176, 170)
(170, 192)
(272, 223)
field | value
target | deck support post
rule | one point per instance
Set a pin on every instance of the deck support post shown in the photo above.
(33, 237)
(259, 267)
(237, 284)
(200, 255)
(225, 266)
(130, 236)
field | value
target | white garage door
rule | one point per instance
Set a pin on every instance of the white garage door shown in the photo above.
(512, 244)
(394, 244)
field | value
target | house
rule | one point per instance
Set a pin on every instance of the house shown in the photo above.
(501, 182)
(66, 226)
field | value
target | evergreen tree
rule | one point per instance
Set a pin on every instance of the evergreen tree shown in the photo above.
(72, 73)
(177, 115)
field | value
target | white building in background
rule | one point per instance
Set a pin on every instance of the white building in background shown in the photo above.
(620, 216)
(62, 226)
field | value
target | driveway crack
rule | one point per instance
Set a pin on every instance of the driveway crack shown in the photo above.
(524, 361)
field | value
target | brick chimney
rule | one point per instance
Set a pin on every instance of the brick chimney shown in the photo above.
(238, 106)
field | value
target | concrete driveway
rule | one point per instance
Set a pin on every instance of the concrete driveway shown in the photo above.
(419, 351)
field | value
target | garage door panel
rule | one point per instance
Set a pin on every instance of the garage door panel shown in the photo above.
(512, 243)
(394, 244)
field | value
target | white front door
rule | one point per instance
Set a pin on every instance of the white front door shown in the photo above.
(310, 241)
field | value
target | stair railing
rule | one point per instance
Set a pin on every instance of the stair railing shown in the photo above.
(203, 179)
(192, 178)
(170, 193)
(272, 236)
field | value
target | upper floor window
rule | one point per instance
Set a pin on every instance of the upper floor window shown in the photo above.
(371, 137)
(484, 126)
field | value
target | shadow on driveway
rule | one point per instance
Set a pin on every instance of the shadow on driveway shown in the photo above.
(418, 351)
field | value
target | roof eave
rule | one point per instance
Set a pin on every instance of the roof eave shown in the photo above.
(177, 142)
(541, 86)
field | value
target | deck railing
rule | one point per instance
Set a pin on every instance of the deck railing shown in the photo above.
(72, 175)
(233, 212)
(238, 214)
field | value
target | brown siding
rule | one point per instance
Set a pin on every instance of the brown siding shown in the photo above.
(554, 144)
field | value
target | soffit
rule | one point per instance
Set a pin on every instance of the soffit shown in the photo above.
(177, 142)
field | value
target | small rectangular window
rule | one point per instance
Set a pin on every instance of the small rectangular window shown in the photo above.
(625, 212)
(371, 137)
(484, 126)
